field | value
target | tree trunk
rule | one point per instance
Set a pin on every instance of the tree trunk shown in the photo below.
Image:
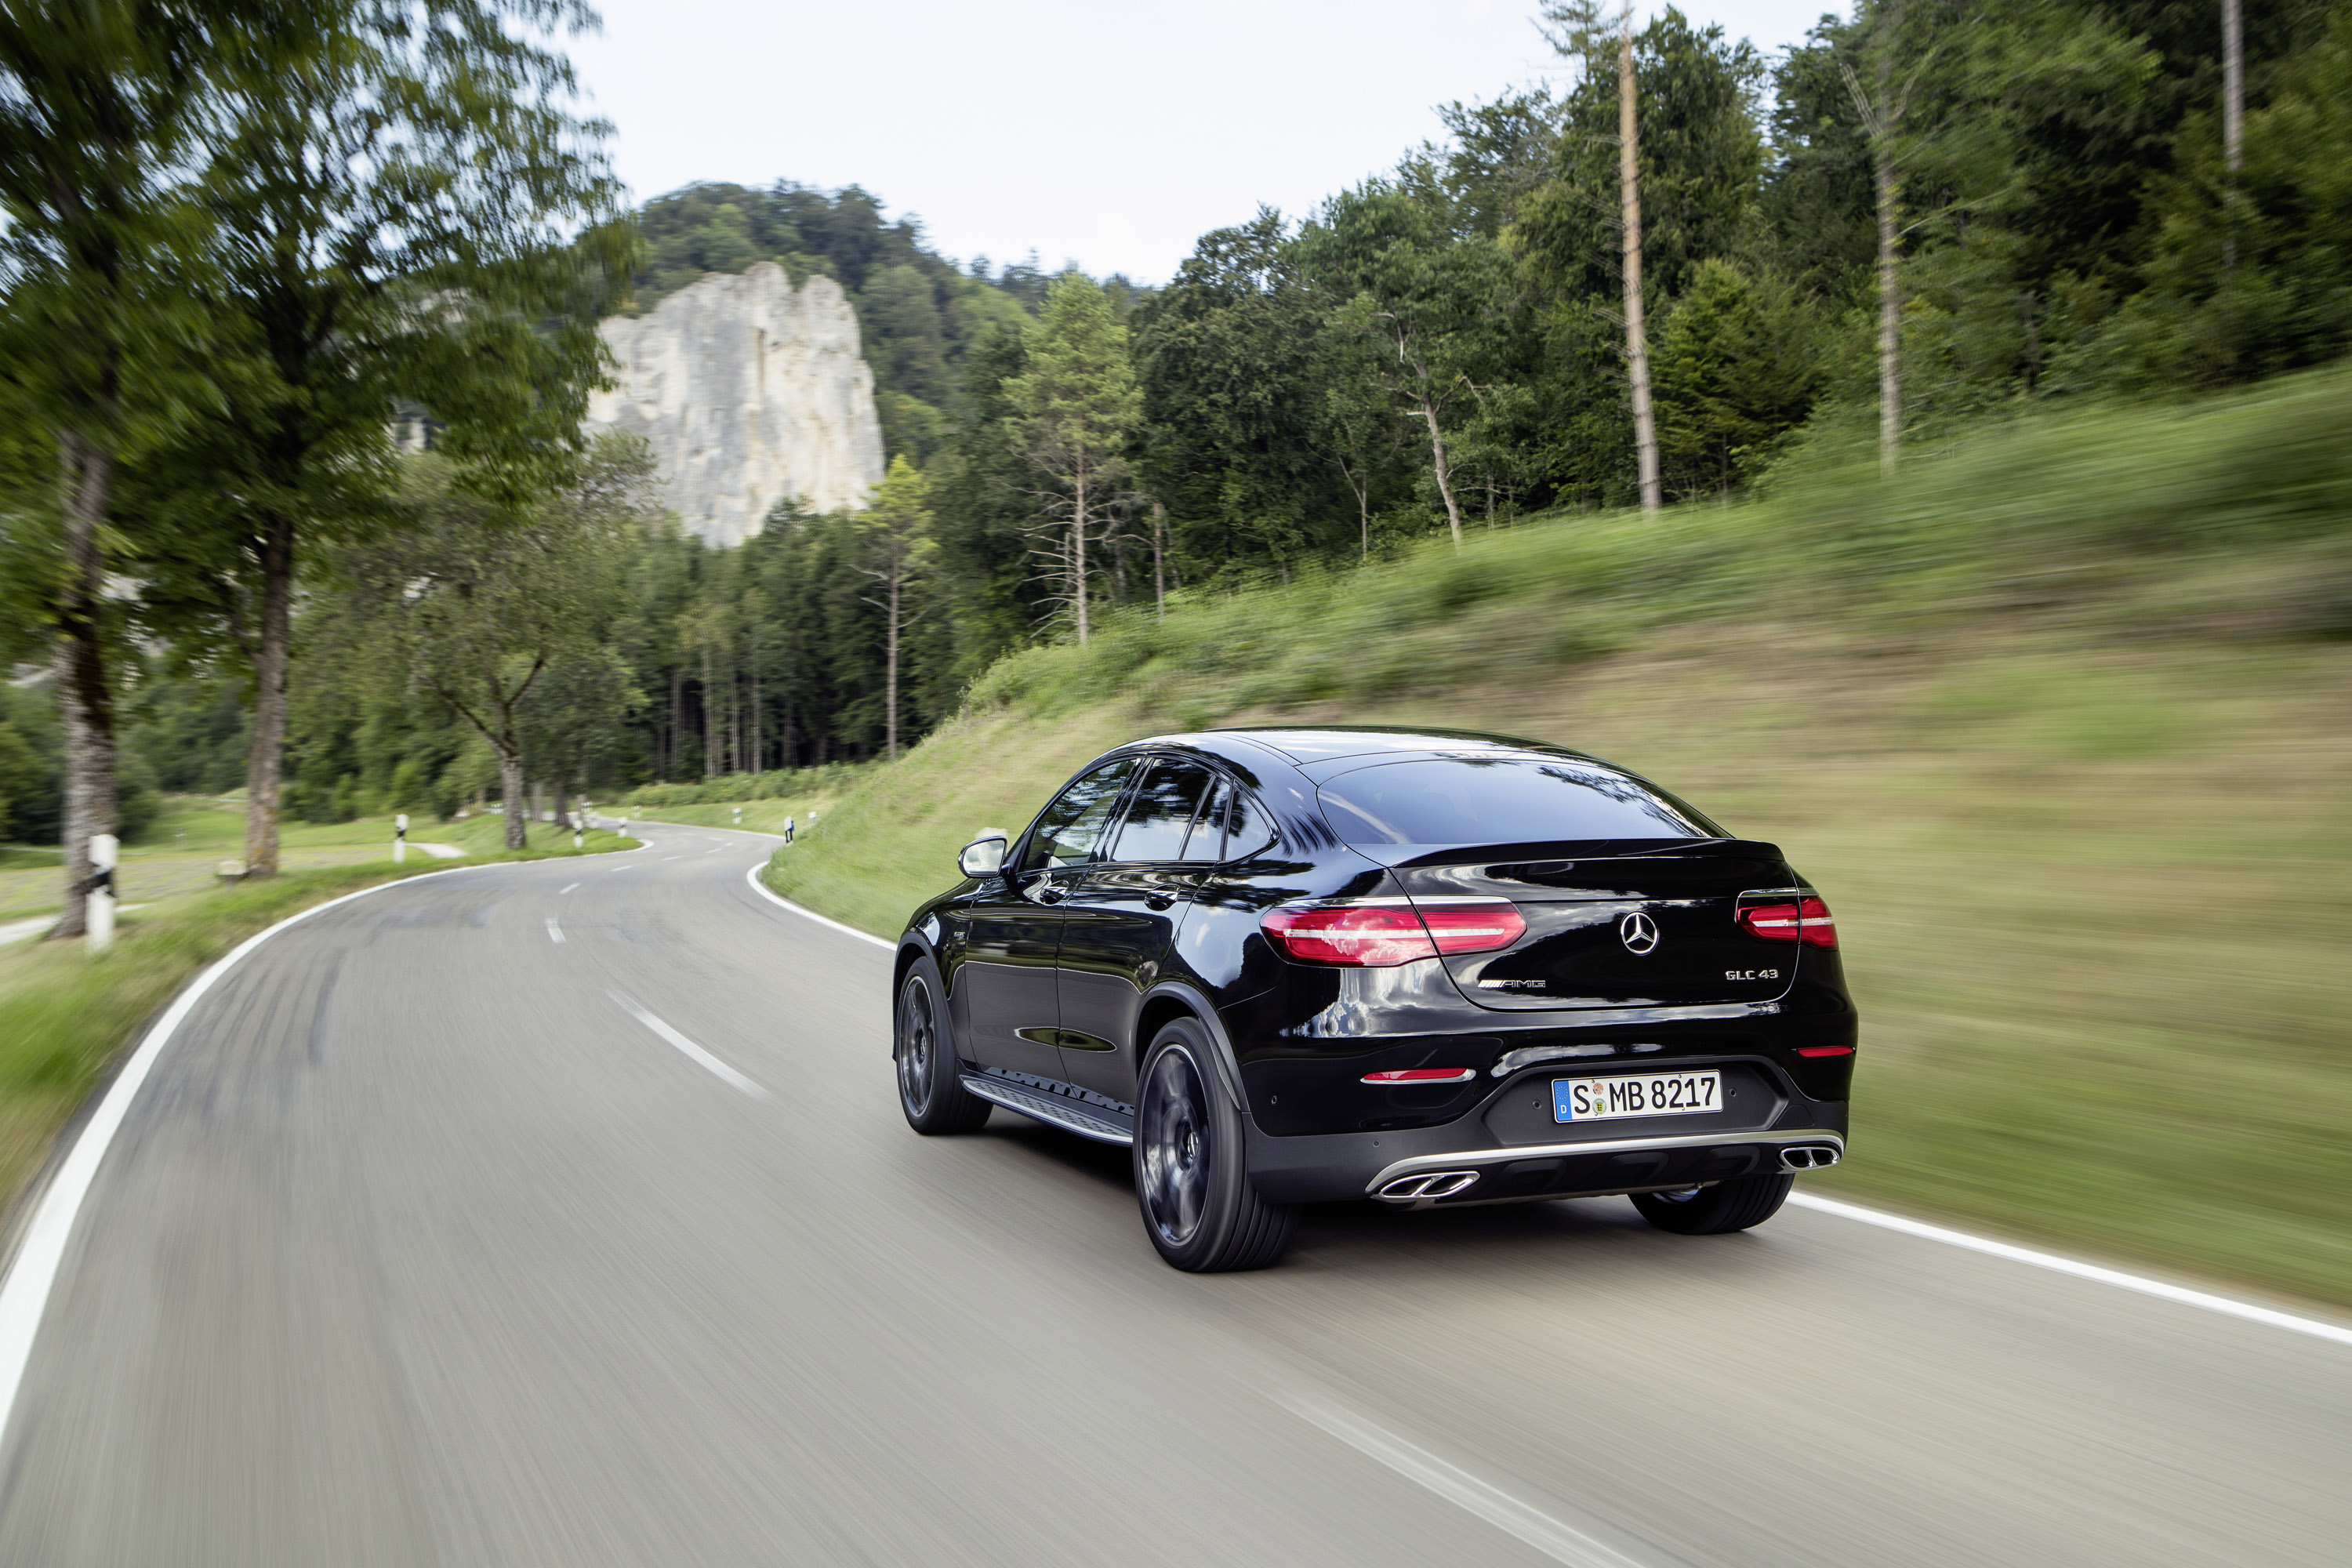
(1890, 287)
(676, 721)
(1159, 557)
(85, 695)
(518, 796)
(891, 675)
(708, 756)
(1444, 475)
(1637, 338)
(2233, 124)
(265, 754)
(1078, 553)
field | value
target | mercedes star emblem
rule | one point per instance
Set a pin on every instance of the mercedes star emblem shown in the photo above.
(1639, 933)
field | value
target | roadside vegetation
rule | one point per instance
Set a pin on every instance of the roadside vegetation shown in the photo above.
(2058, 719)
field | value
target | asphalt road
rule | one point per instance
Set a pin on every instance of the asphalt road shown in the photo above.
(422, 1245)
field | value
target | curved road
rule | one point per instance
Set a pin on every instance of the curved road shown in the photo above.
(434, 1239)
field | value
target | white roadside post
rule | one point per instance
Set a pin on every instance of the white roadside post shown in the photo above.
(400, 838)
(738, 817)
(104, 851)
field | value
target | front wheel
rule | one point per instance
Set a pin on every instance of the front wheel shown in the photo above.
(931, 1090)
(1712, 1211)
(1191, 1175)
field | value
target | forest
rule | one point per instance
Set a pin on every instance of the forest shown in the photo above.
(1675, 270)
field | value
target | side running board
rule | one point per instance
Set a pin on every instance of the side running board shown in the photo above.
(1104, 1126)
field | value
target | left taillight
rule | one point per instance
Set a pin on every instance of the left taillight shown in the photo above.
(1805, 919)
(1383, 935)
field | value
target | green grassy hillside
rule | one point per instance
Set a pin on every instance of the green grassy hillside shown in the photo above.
(2060, 719)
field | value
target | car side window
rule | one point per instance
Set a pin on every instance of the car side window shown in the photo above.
(1207, 842)
(1067, 830)
(1160, 811)
(1250, 831)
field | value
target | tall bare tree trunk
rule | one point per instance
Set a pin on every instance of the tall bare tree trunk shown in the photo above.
(1444, 475)
(890, 669)
(1159, 557)
(85, 694)
(676, 721)
(1881, 121)
(2233, 122)
(1637, 336)
(1078, 553)
(1890, 319)
(709, 756)
(265, 751)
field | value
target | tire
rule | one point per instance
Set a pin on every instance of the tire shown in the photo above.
(1717, 1210)
(1191, 1175)
(931, 1088)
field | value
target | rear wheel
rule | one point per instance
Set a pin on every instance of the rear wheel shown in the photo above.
(931, 1090)
(1712, 1211)
(1192, 1176)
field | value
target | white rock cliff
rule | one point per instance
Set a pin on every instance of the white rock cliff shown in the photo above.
(749, 390)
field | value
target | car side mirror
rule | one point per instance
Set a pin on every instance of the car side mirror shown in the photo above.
(984, 856)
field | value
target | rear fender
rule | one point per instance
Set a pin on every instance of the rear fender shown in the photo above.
(1173, 999)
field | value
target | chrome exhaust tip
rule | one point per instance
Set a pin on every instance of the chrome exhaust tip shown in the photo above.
(1809, 1157)
(1424, 1186)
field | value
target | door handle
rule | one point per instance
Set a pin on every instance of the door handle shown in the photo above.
(1161, 901)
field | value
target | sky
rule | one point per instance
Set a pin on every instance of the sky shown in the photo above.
(1108, 134)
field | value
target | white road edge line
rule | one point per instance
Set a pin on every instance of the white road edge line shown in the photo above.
(777, 899)
(2181, 1294)
(554, 931)
(32, 1272)
(729, 1074)
(1464, 1490)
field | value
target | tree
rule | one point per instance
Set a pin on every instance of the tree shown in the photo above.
(1226, 361)
(100, 105)
(393, 207)
(1737, 364)
(1076, 402)
(477, 607)
(570, 722)
(897, 528)
(1433, 300)
(1658, 168)
(1637, 343)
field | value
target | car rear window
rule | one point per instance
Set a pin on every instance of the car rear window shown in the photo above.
(1501, 800)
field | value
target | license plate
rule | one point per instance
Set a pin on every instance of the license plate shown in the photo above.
(1635, 1094)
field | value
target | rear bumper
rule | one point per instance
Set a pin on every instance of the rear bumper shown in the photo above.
(1339, 1166)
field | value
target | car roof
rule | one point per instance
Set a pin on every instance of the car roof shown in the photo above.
(1301, 744)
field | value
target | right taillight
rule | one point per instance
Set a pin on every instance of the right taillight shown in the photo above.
(1806, 919)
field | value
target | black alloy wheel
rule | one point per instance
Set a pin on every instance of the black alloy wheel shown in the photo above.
(1191, 1174)
(930, 1090)
(1715, 1210)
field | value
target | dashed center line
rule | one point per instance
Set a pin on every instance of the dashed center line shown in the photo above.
(560, 891)
(554, 931)
(722, 1069)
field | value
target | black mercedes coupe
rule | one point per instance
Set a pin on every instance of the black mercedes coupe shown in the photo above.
(1427, 968)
